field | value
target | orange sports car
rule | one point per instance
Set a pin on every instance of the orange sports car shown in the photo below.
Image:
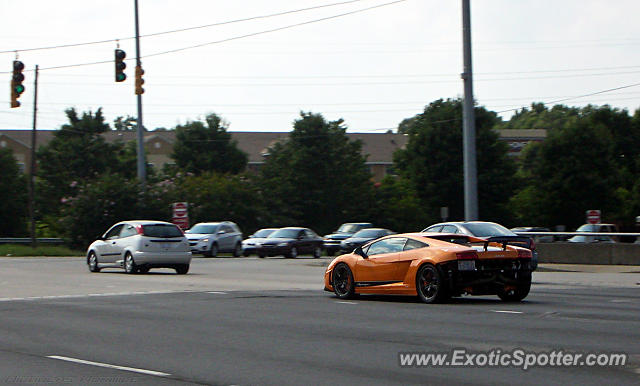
(433, 266)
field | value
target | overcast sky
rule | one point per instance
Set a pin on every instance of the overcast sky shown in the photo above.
(372, 68)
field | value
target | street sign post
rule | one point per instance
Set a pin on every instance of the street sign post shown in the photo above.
(593, 216)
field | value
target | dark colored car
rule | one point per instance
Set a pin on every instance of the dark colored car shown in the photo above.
(254, 241)
(291, 242)
(362, 237)
(332, 241)
(489, 230)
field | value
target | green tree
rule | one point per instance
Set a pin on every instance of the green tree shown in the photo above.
(207, 147)
(218, 197)
(571, 171)
(540, 116)
(317, 177)
(433, 162)
(127, 123)
(108, 199)
(397, 206)
(76, 154)
(13, 196)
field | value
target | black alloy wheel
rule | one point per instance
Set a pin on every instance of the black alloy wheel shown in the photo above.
(430, 285)
(342, 281)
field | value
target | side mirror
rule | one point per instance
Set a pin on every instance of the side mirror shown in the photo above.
(359, 251)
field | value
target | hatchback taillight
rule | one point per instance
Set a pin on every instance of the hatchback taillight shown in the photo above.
(140, 230)
(467, 255)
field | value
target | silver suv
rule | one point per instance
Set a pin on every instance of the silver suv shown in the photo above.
(138, 246)
(211, 238)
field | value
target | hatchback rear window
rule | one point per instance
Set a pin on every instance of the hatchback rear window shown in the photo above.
(161, 230)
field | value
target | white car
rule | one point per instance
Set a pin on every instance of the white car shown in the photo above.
(138, 246)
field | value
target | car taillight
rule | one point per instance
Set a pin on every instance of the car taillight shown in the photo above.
(524, 254)
(140, 230)
(467, 255)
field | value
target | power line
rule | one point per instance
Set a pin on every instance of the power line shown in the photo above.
(182, 29)
(231, 38)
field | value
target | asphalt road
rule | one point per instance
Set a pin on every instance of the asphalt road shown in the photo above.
(252, 321)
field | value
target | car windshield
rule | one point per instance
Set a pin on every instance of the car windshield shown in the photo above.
(348, 228)
(263, 233)
(488, 229)
(285, 234)
(204, 229)
(365, 233)
(161, 230)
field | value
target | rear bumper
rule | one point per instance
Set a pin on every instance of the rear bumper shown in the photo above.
(489, 277)
(161, 259)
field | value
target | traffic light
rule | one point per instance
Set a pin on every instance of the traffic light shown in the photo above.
(16, 83)
(139, 80)
(120, 65)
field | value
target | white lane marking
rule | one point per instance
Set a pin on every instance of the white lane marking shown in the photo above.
(217, 292)
(620, 301)
(507, 312)
(90, 295)
(347, 302)
(98, 364)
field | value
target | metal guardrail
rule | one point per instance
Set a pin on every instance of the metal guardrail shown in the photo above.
(577, 234)
(27, 240)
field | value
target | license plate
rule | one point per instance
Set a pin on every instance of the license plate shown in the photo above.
(466, 265)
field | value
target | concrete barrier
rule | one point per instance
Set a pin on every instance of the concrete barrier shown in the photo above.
(592, 253)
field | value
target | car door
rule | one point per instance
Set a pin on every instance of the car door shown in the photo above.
(225, 238)
(108, 253)
(125, 240)
(380, 266)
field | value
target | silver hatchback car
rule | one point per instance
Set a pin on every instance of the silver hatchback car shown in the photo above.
(138, 246)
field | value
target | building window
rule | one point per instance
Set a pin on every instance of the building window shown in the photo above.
(3, 143)
(157, 145)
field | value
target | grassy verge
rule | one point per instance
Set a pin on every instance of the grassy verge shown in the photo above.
(42, 250)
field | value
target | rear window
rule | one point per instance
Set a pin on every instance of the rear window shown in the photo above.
(161, 230)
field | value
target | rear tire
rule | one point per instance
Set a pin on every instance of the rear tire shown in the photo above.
(430, 285)
(237, 251)
(317, 252)
(520, 292)
(342, 281)
(130, 265)
(182, 269)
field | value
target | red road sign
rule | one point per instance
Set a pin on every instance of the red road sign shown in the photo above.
(180, 209)
(593, 216)
(182, 222)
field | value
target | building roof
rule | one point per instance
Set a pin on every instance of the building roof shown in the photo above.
(379, 147)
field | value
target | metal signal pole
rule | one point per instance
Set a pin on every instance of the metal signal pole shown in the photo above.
(142, 172)
(32, 172)
(469, 123)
